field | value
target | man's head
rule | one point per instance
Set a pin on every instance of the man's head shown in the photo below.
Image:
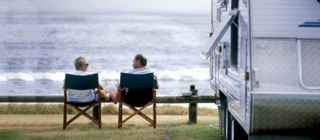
(139, 61)
(81, 64)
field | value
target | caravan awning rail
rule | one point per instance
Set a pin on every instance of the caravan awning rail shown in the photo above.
(221, 30)
(310, 24)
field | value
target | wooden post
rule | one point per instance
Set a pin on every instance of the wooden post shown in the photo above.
(193, 106)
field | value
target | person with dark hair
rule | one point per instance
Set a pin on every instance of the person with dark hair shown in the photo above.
(139, 61)
(139, 66)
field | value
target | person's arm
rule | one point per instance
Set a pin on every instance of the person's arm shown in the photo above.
(100, 87)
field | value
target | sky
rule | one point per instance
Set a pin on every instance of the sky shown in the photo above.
(177, 6)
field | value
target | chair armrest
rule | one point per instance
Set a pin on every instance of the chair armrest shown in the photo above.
(120, 92)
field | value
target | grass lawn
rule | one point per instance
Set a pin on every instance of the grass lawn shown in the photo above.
(49, 127)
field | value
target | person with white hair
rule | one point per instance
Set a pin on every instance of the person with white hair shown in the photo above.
(81, 68)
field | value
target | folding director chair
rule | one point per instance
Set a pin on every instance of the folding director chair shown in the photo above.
(86, 82)
(139, 92)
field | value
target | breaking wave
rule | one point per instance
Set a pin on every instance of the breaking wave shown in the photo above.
(176, 75)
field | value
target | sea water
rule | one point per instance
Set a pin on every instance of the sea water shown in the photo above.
(37, 49)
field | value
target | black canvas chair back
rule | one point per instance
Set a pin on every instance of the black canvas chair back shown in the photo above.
(139, 93)
(81, 82)
(138, 88)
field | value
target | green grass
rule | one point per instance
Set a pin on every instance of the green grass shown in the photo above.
(44, 122)
(48, 127)
(11, 134)
(108, 109)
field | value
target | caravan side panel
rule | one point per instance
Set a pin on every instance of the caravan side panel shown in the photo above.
(281, 18)
(280, 102)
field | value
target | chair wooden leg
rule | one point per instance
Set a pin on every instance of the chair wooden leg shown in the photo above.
(144, 116)
(81, 112)
(96, 118)
(136, 111)
(154, 115)
(139, 112)
(120, 115)
(95, 112)
(100, 122)
(154, 108)
(64, 116)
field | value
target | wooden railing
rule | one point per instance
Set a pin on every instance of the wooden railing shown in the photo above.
(191, 98)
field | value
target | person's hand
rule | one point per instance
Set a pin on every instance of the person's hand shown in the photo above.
(100, 87)
(121, 89)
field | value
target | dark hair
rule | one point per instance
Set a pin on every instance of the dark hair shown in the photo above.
(143, 61)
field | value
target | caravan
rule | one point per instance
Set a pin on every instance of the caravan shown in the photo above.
(265, 68)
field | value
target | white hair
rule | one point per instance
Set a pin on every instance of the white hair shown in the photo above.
(78, 62)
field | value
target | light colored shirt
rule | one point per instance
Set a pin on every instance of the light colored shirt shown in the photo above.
(81, 95)
(144, 71)
(139, 71)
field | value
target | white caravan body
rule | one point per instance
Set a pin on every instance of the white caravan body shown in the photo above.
(265, 65)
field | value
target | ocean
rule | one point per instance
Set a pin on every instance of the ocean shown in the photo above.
(36, 49)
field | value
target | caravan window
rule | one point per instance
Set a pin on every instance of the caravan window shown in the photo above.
(234, 37)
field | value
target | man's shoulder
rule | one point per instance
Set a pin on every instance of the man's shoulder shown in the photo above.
(139, 71)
